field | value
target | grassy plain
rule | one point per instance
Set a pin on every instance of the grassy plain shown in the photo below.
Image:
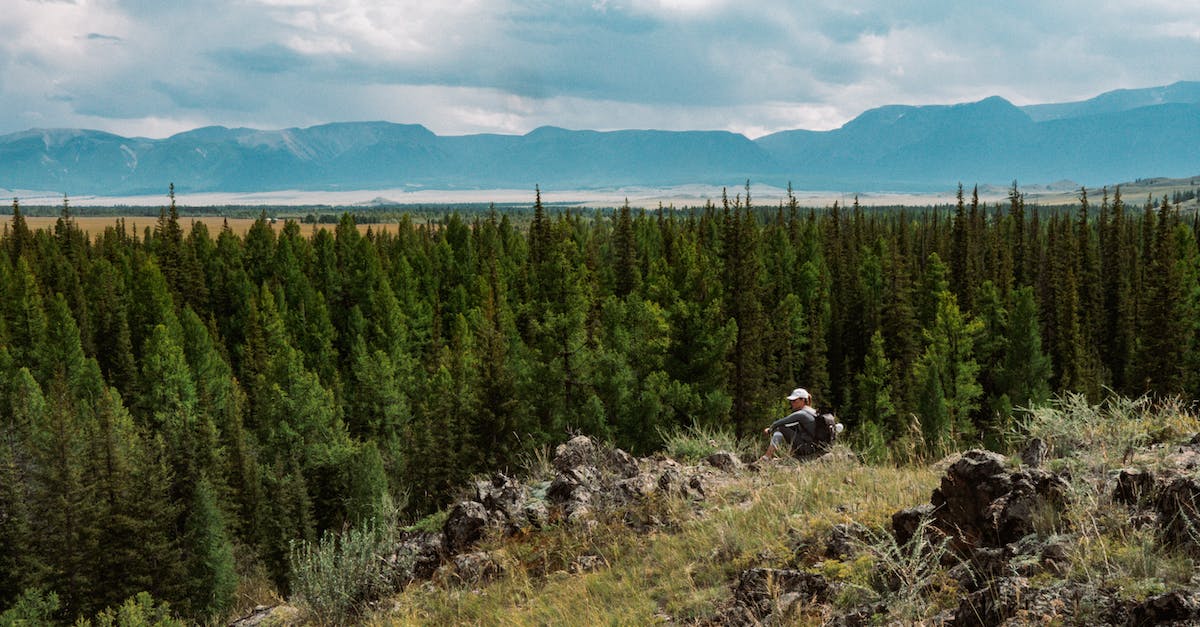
(95, 225)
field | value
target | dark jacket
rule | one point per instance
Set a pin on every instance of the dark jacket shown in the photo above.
(800, 422)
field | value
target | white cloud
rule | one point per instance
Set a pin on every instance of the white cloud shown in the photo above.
(151, 68)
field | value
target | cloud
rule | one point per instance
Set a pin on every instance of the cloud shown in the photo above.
(513, 65)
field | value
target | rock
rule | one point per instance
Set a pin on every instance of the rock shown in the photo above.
(991, 605)
(1133, 485)
(840, 543)
(695, 489)
(504, 498)
(578, 451)
(980, 503)
(269, 616)
(1034, 453)
(1177, 501)
(670, 481)
(622, 464)
(473, 569)
(417, 556)
(759, 588)
(536, 514)
(586, 564)
(464, 526)
(1178, 607)
(724, 460)
(906, 521)
(636, 488)
(1030, 493)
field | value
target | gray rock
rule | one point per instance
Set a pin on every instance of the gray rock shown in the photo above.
(587, 564)
(724, 460)
(473, 569)
(622, 464)
(417, 556)
(981, 503)
(536, 514)
(1177, 608)
(906, 521)
(1034, 453)
(1133, 486)
(1177, 501)
(758, 590)
(578, 451)
(272, 615)
(464, 526)
(670, 481)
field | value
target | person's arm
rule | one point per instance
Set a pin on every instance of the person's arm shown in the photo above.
(788, 419)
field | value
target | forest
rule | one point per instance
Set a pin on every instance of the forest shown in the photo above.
(180, 409)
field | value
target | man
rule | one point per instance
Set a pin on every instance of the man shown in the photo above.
(798, 424)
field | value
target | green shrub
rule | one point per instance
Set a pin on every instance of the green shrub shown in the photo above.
(337, 576)
(137, 611)
(694, 443)
(33, 607)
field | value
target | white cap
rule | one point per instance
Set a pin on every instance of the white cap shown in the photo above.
(798, 393)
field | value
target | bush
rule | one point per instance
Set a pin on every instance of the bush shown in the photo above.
(695, 443)
(33, 607)
(337, 576)
(137, 611)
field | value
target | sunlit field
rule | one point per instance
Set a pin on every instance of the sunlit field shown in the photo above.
(95, 225)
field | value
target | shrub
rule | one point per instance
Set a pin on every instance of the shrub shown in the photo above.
(337, 576)
(694, 443)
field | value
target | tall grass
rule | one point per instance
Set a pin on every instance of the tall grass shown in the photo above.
(685, 572)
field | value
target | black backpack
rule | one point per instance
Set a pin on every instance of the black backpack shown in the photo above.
(818, 438)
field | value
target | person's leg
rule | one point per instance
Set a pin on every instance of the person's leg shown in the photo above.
(776, 440)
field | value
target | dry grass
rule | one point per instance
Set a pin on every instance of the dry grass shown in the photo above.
(679, 575)
(94, 225)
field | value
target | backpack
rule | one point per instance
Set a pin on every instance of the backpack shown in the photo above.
(825, 431)
(819, 440)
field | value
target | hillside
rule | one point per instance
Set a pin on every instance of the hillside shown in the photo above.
(1086, 526)
(1113, 137)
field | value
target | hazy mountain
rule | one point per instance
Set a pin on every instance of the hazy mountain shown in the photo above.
(1183, 92)
(1117, 136)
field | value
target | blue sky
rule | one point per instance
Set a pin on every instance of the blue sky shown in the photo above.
(153, 68)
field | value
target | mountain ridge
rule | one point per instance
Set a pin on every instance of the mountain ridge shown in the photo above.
(1120, 135)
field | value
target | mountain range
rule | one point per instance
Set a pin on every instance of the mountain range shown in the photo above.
(1116, 136)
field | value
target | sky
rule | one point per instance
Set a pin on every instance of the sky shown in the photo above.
(153, 68)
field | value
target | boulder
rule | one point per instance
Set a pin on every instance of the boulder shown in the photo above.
(503, 495)
(1034, 453)
(839, 544)
(981, 503)
(1133, 485)
(417, 556)
(759, 590)
(1177, 501)
(1172, 608)
(622, 464)
(725, 461)
(906, 522)
(270, 616)
(578, 451)
(472, 569)
(464, 526)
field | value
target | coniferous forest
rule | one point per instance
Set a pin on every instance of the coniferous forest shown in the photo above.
(180, 408)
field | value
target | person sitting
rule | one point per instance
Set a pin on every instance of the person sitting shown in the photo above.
(797, 427)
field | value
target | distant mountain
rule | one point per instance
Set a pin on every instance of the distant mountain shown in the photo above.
(1117, 136)
(1183, 92)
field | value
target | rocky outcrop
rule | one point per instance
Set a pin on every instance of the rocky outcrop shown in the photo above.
(763, 592)
(270, 616)
(589, 479)
(980, 503)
